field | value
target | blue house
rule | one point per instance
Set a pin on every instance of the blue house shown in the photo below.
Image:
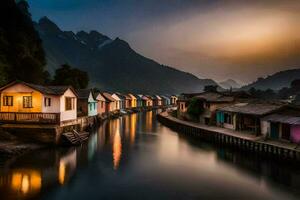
(86, 103)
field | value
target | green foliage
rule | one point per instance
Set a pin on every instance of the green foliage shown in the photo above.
(195, 108)
(71, 76)
(268, 94)
(21, 53)
(210, 88)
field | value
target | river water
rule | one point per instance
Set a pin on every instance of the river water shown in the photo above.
(135, 157)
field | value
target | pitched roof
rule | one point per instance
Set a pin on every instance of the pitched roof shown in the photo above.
(99, 96)
(50, 90)
(84, 93)
(215, 97)
(138, 97)
(108, 97)
(121, 96)
(252, 108)
(132, 96)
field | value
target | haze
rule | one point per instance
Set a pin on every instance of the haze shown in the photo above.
(242, 40)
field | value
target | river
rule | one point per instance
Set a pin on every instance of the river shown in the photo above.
(135, 157)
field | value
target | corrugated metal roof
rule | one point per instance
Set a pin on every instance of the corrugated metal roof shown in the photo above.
(251, 108)
(282, 119)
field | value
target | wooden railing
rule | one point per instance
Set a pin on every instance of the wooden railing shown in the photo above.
(38, 118)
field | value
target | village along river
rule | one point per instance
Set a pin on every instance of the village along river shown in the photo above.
(135, 157)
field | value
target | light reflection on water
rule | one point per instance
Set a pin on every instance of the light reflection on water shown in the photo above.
(135, 157)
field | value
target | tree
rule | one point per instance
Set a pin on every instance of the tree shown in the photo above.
(295, 85)
(21, 53)
(195, 107)
(66, 75)
(210, 88)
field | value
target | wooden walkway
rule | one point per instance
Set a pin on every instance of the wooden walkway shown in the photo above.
(232, 138)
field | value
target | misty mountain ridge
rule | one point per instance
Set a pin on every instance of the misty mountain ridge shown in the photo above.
(230, 83)
(111, 63)
(275, 81)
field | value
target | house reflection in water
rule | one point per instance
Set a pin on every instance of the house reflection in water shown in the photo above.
(149, 116)
(26, 181)
(133, 122)
(21, 183)
(116, 144)
(67, 166)
(92, 146)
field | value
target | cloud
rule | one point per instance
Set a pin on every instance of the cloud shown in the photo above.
(219, 39)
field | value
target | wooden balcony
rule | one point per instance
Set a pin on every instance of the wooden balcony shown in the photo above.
(30, 118)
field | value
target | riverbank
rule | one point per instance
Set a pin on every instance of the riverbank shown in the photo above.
(242, 141)
(12, 145)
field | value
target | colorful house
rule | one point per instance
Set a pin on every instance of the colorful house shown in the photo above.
(139, 100)
(174, 99)
(149, 100)
(154, 99)
(117, 101)
(282, 125)
(210, 102)
(101, 108)
(128, 101)
(110, 102)
(133, 100)
(87, 103)
(182, 106)
(245, 116)
(29, 103)
(159, 100)
(122, 101)
(166, 100)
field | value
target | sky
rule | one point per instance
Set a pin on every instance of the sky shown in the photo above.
(218, 39)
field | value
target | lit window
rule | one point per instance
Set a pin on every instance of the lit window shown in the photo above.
(8, 101)
(70, 103)
(27, 101)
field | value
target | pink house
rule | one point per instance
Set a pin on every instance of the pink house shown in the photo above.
(295, 134)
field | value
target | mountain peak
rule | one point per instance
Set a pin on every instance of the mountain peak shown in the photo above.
(47, 25)
(93, 38)
(229, 83)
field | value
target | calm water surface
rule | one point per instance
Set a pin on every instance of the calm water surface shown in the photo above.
(135, 157)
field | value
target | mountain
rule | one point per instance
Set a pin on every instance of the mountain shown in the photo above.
(21, 51)
(276, 81)
(229, 84)
(111, 63)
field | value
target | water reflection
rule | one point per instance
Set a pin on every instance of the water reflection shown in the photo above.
(134, 156)
(26, 181)
(67, 166)
(117, 144)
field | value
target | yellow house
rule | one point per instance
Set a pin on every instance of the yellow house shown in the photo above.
(133, 101)
(27, 102)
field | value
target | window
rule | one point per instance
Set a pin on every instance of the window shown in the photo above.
(70, 101)
(47, 102)
(102, 104)
(8, 101)
(228, 118)
(27, 101)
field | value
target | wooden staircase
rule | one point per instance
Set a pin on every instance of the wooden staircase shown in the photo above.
(75, 138)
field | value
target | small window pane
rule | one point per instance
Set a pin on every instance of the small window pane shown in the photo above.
(27, 102)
